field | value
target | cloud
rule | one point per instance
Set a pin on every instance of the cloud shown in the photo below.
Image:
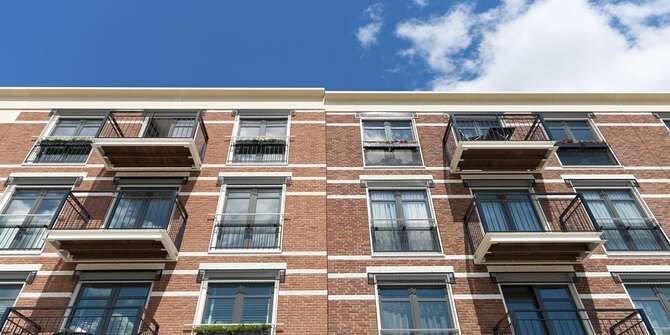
(368, 34)
(552, 45)
(421, 3)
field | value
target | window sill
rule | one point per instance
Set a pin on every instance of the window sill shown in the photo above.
(624, 254)
(20, 252)
(592, 166)
(408, 254)
(258, 164)
(54, 164)
(406, 167)
(245, 251)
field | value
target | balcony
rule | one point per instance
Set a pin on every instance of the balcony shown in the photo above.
(497, 142)
(404, 235)
(51, 150)
(152, 141)
(259, 150)
(530, 228)
(574, 322)
(247, 232)
(129, 224)
(79, 321)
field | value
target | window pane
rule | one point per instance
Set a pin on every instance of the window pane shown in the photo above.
(394, 292)
(434, 315)
(644, 297)
(375, 135)
(396, 315)
(256, 310)
(8, 294)
(219, 310)
(593, 156)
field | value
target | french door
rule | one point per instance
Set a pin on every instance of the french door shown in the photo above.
(508, 211)
(142, 209)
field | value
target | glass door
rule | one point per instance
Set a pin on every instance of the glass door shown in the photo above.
(108, 309)
(142, 209)
(508, 211)
(26, 218)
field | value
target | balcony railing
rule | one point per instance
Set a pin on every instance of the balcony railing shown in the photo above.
(632, 234)
(80, 321)
(404, 235)
(248, 231)
(523, 220)
(28, 231)
(575, 322)
(257, 150)
(49, 151)
(496, 142)
(121, 219)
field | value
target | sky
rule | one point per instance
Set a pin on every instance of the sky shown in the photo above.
(444, 45)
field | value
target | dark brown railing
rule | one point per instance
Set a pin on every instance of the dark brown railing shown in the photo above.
(102, 210)
(248, 231)
(404, 235)
(526, 212)
(74, 320)
(259, 149)
(575, 322)
(151, 124)
(492, 127)
(49, 151)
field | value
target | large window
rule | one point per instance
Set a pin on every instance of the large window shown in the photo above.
(65, 143)
(578, 143)
(108, 309)
(415, 309)
(654, 300)
(142, 209)
(402, 222)
(260, 141)
(390, 143)
(251, 219)
(623, 221)
(507, 211)
(8, 294)
(542, 310)
(27, 217)
(234, 303)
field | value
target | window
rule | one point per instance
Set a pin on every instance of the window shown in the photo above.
(542, 310)
(261, 141)
(507, 211)
(402, 221)
(143, 209)
(654, 300)
(390, 143)
(58, 149)
(251, 219)
(108, 309)
(170, 127)
(579, 144)
(489, 129)
(624, 223)
(233, 303)
(27, 217)
(8, 294)
(667, 123)
(420, 309)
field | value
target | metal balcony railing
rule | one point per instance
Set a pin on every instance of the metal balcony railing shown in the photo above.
(149, 124)
(526, 212)
(575, 322)
(75, 320)
(248, 231)
(29, 231)
(632, 234)
(404, 235)
(259, 149)
(49, 151)
(144, 209)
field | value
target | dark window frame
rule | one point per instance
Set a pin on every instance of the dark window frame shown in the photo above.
(251, 219)
(239, 297)
(502, 195)
(281, 146)
(401, 220)
(582, 147)
(389, 144)
(659, 296)
(413, 300)
(146, 202)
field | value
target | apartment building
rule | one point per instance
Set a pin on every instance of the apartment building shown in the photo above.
(305, 211)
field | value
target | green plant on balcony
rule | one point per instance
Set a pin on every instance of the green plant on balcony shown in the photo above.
(239, 329)
(66, 140)
(260, 140)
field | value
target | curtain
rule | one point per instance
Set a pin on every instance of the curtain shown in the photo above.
(384, 217)
(417, 220)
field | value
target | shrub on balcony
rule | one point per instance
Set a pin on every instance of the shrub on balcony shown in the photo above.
(261, 140)
(66, 139)
(240, 329)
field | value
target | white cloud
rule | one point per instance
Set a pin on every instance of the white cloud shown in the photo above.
(553, 45)
(368, 34)
(421, 3)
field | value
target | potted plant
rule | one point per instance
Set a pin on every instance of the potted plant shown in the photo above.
(66, 139)
(238, 329)
(262, 140)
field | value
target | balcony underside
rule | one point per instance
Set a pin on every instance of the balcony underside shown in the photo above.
(484, 156)
(535, 248)
(111, 245)
(134, 154)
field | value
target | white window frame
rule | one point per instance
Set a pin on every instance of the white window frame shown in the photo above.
(53, 121)
(451, 301)
(4, 201)
(600, 137)
(236, 127)
(431, 207)
(645, 208)
(219, 211)
(412, 121)
(202, 299)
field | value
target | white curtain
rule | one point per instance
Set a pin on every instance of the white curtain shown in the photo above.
(384, 217)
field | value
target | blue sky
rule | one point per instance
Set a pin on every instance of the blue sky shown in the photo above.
(418, 44)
